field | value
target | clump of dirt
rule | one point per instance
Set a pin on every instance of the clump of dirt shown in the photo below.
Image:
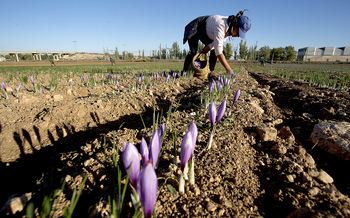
(68, 134)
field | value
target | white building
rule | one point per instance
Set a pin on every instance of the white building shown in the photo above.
(341, 54)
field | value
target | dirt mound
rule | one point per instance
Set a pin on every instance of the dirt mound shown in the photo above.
(69, 133)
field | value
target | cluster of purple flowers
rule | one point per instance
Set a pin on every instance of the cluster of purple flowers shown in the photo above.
(198, 64)
(145, 183)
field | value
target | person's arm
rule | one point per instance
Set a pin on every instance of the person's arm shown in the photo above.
(206, 49)
(221, 58)
(224, 63)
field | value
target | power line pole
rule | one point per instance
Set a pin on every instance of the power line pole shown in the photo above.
(124, 53)
(160, 51)
(75, 44)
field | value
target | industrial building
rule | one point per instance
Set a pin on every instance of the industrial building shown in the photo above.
(341, 54)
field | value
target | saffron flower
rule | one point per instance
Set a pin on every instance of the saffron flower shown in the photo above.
(235, 98)
(144, 152)
(212, 113)
(17, 90)
(214, 120)
(4, 86)
(211, 87)
(32, 80)
(154, 148)
(130, 157)
(161, 131)
(221, 111)
(147, 189)
(186, 156)
(186, 151)
(152, 152)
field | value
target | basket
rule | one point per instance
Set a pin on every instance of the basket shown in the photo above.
(203, 71)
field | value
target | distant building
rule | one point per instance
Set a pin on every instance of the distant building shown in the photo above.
(324, 54)
(2, 59)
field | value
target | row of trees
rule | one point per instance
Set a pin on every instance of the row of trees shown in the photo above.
(287, 53)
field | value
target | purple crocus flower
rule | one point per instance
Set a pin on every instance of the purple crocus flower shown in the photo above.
(221, 80)
(32, 79)
(82, 78)
(18, 87)
(148, 187)
(154, 148)
(194, 131)
(87, 78)
(211, 87)
(131, 156)
(117, 84)
(236, 96)
(212, 113)
(186, 149)
(161, 132)
(167, 78)
(4, 85)
(221, 111)
(144, 152)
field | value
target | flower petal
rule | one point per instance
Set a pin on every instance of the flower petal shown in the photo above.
(221, 111)
(148, 187)
(154, 148)
(131, 155)
(212, 113)
(237, 93)
(193, 129)
(144, 152)
(186, 149)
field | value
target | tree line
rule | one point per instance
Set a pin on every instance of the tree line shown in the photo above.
(242, 51)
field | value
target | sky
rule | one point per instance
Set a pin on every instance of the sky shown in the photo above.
(135, 26)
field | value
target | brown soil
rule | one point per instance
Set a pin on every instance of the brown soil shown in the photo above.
(44, 142)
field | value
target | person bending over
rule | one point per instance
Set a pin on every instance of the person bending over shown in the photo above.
(213, 31)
